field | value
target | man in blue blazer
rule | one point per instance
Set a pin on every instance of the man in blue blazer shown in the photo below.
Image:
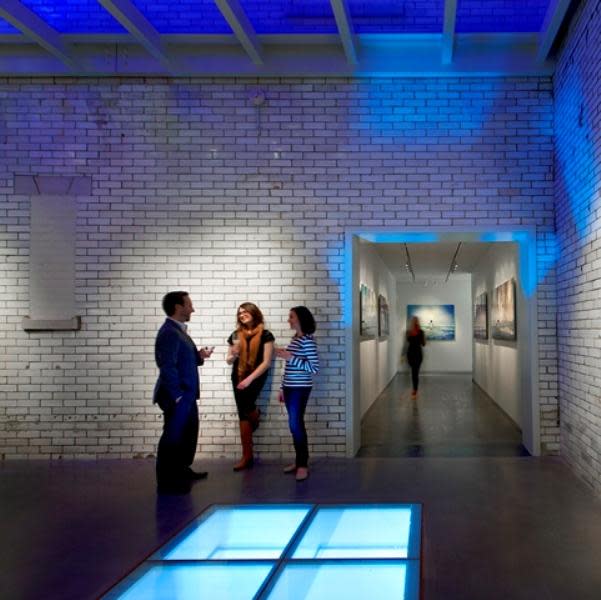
(176, 392)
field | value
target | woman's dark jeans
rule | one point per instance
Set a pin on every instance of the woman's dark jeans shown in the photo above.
(296, 399)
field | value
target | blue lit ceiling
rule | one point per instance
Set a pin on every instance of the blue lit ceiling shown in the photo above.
(388, 36)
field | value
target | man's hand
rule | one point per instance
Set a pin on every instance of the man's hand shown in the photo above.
(206, 352)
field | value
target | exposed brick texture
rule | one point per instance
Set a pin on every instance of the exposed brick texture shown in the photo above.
(577, 88)
(194, 187)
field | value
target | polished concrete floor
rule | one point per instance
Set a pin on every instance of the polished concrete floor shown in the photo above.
(450, 417)
(493, 527)
(496, 524)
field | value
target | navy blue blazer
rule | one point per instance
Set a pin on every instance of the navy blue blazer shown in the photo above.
(177, 358)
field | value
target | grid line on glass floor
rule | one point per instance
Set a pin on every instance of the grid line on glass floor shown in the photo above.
(410, 569)
(263, 591)
(283, 569)
(171, 545)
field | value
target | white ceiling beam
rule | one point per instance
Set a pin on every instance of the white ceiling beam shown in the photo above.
(242, 28)
(345, 29)
(448, 31)
(126, 13)
(284, 56)
(36, 29)
(556, 12)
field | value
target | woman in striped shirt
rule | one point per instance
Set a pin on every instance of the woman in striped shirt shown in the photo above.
(302, 363)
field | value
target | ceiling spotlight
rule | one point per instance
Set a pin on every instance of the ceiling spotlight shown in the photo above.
(453, 266)
(408, 263)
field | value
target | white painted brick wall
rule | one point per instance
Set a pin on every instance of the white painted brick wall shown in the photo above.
(577, 87)
(195, 188)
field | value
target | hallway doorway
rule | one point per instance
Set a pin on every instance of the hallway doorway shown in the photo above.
(479, 397)
(451, 417)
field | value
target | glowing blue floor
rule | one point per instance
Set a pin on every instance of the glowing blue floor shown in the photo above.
(286, 552)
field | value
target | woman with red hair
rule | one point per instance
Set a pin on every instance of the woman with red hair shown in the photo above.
(416, 339)
(250, 353)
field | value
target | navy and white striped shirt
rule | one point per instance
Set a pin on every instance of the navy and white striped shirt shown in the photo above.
(304, 363)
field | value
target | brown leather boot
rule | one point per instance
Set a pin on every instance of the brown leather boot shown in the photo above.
(255, 418)
(246, 436)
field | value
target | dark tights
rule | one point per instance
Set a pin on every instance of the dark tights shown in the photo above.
(415, 366)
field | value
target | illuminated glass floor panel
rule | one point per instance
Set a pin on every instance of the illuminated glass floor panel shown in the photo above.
(177, 581)
(361, 532)
(286, 552)
(329, 580)
(238, 532)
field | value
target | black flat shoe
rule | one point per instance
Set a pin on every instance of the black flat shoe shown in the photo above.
(196, 475)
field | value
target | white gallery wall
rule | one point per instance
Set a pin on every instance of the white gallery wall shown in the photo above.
(189, 189)
(442, 356)
(497, 362)
(378, 356)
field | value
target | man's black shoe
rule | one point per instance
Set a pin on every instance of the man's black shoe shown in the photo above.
(196, 475)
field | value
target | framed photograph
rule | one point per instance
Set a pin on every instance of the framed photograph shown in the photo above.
(481, 317)
(436, 320)
(368, 310)
(504, 313)
(383, 317)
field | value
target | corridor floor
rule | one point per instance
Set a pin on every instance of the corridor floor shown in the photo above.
(451, 417)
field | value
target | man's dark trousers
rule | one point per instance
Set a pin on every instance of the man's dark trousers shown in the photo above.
(177, 445)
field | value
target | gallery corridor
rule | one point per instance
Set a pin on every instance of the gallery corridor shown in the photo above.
(451, 417)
